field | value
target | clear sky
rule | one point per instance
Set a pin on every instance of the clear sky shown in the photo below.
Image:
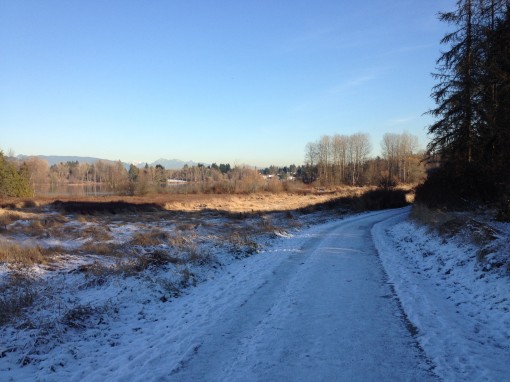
(243, 82)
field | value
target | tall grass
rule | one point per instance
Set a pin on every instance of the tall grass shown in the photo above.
(21, 255)
(149, 238)
(16, 293)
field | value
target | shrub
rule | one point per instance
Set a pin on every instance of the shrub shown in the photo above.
(382, 198)
(241, 243)
(160, 258)
(445, 223)
(78, 316)
(456, 189)
(274, 185)
(16, 294)
(13, 182)
(154, 237)
(13, 302)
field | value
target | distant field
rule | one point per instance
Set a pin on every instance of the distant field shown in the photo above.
(227, 202)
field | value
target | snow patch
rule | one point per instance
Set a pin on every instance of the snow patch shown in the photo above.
(461, 311)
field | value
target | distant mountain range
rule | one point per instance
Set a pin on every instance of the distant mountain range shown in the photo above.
(171, 164)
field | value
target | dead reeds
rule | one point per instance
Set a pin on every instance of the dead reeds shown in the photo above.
(16, 293)
(16, 254)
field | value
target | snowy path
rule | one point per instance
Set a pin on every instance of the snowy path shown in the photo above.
(326, 312)
(316, 306)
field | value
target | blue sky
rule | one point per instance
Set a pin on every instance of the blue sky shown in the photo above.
(243, 82)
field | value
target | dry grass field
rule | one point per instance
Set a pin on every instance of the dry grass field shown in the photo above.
(256, 202)
(117, 236)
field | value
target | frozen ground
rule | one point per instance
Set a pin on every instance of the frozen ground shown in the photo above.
(459, 302)
(315, 303)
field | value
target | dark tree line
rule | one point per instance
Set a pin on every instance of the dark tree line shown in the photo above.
(471, 132)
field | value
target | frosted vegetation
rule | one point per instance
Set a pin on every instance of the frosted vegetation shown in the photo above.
(100, 279)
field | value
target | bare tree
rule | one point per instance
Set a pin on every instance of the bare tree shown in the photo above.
(339, 159)
(324, 151)
(358, 151)
(390, 146)
(339, 146)
(38, 172)
(399, 150)
(408, 147)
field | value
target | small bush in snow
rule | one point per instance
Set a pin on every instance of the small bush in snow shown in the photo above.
(17, 294)
(153, 237)
(77, 316)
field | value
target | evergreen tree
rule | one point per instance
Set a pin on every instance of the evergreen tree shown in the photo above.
(495, 137)
(456, 93)
(13, 183)
(133, 173)
(471, 135)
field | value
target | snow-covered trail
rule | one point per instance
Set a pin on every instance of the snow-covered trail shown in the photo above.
(325, 312)
(316, 306)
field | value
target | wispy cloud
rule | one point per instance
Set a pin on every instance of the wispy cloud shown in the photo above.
(415, 48)
(358, 79)
(320, 38)
(323, 96)
(398, 121)
(352, 83)
(341, 88)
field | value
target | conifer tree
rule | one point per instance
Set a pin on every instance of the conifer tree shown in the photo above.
(456, 93)
(495, 138)
(13, 183)
(471, 134)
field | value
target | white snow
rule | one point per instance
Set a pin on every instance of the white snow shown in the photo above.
(314, 304)
(462, 312)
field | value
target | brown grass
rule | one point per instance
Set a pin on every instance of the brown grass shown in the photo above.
(448, 224)
(129, 265)
(6, 219)
(288, 197)
(21, 255)
(443, 222)
(38, 224)
(266, 225)
(182, 242)
(19, 203)
(153, 237)
(97, 233)
(241, 243)
(8, 216)
(96, 269)
(102, 249)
